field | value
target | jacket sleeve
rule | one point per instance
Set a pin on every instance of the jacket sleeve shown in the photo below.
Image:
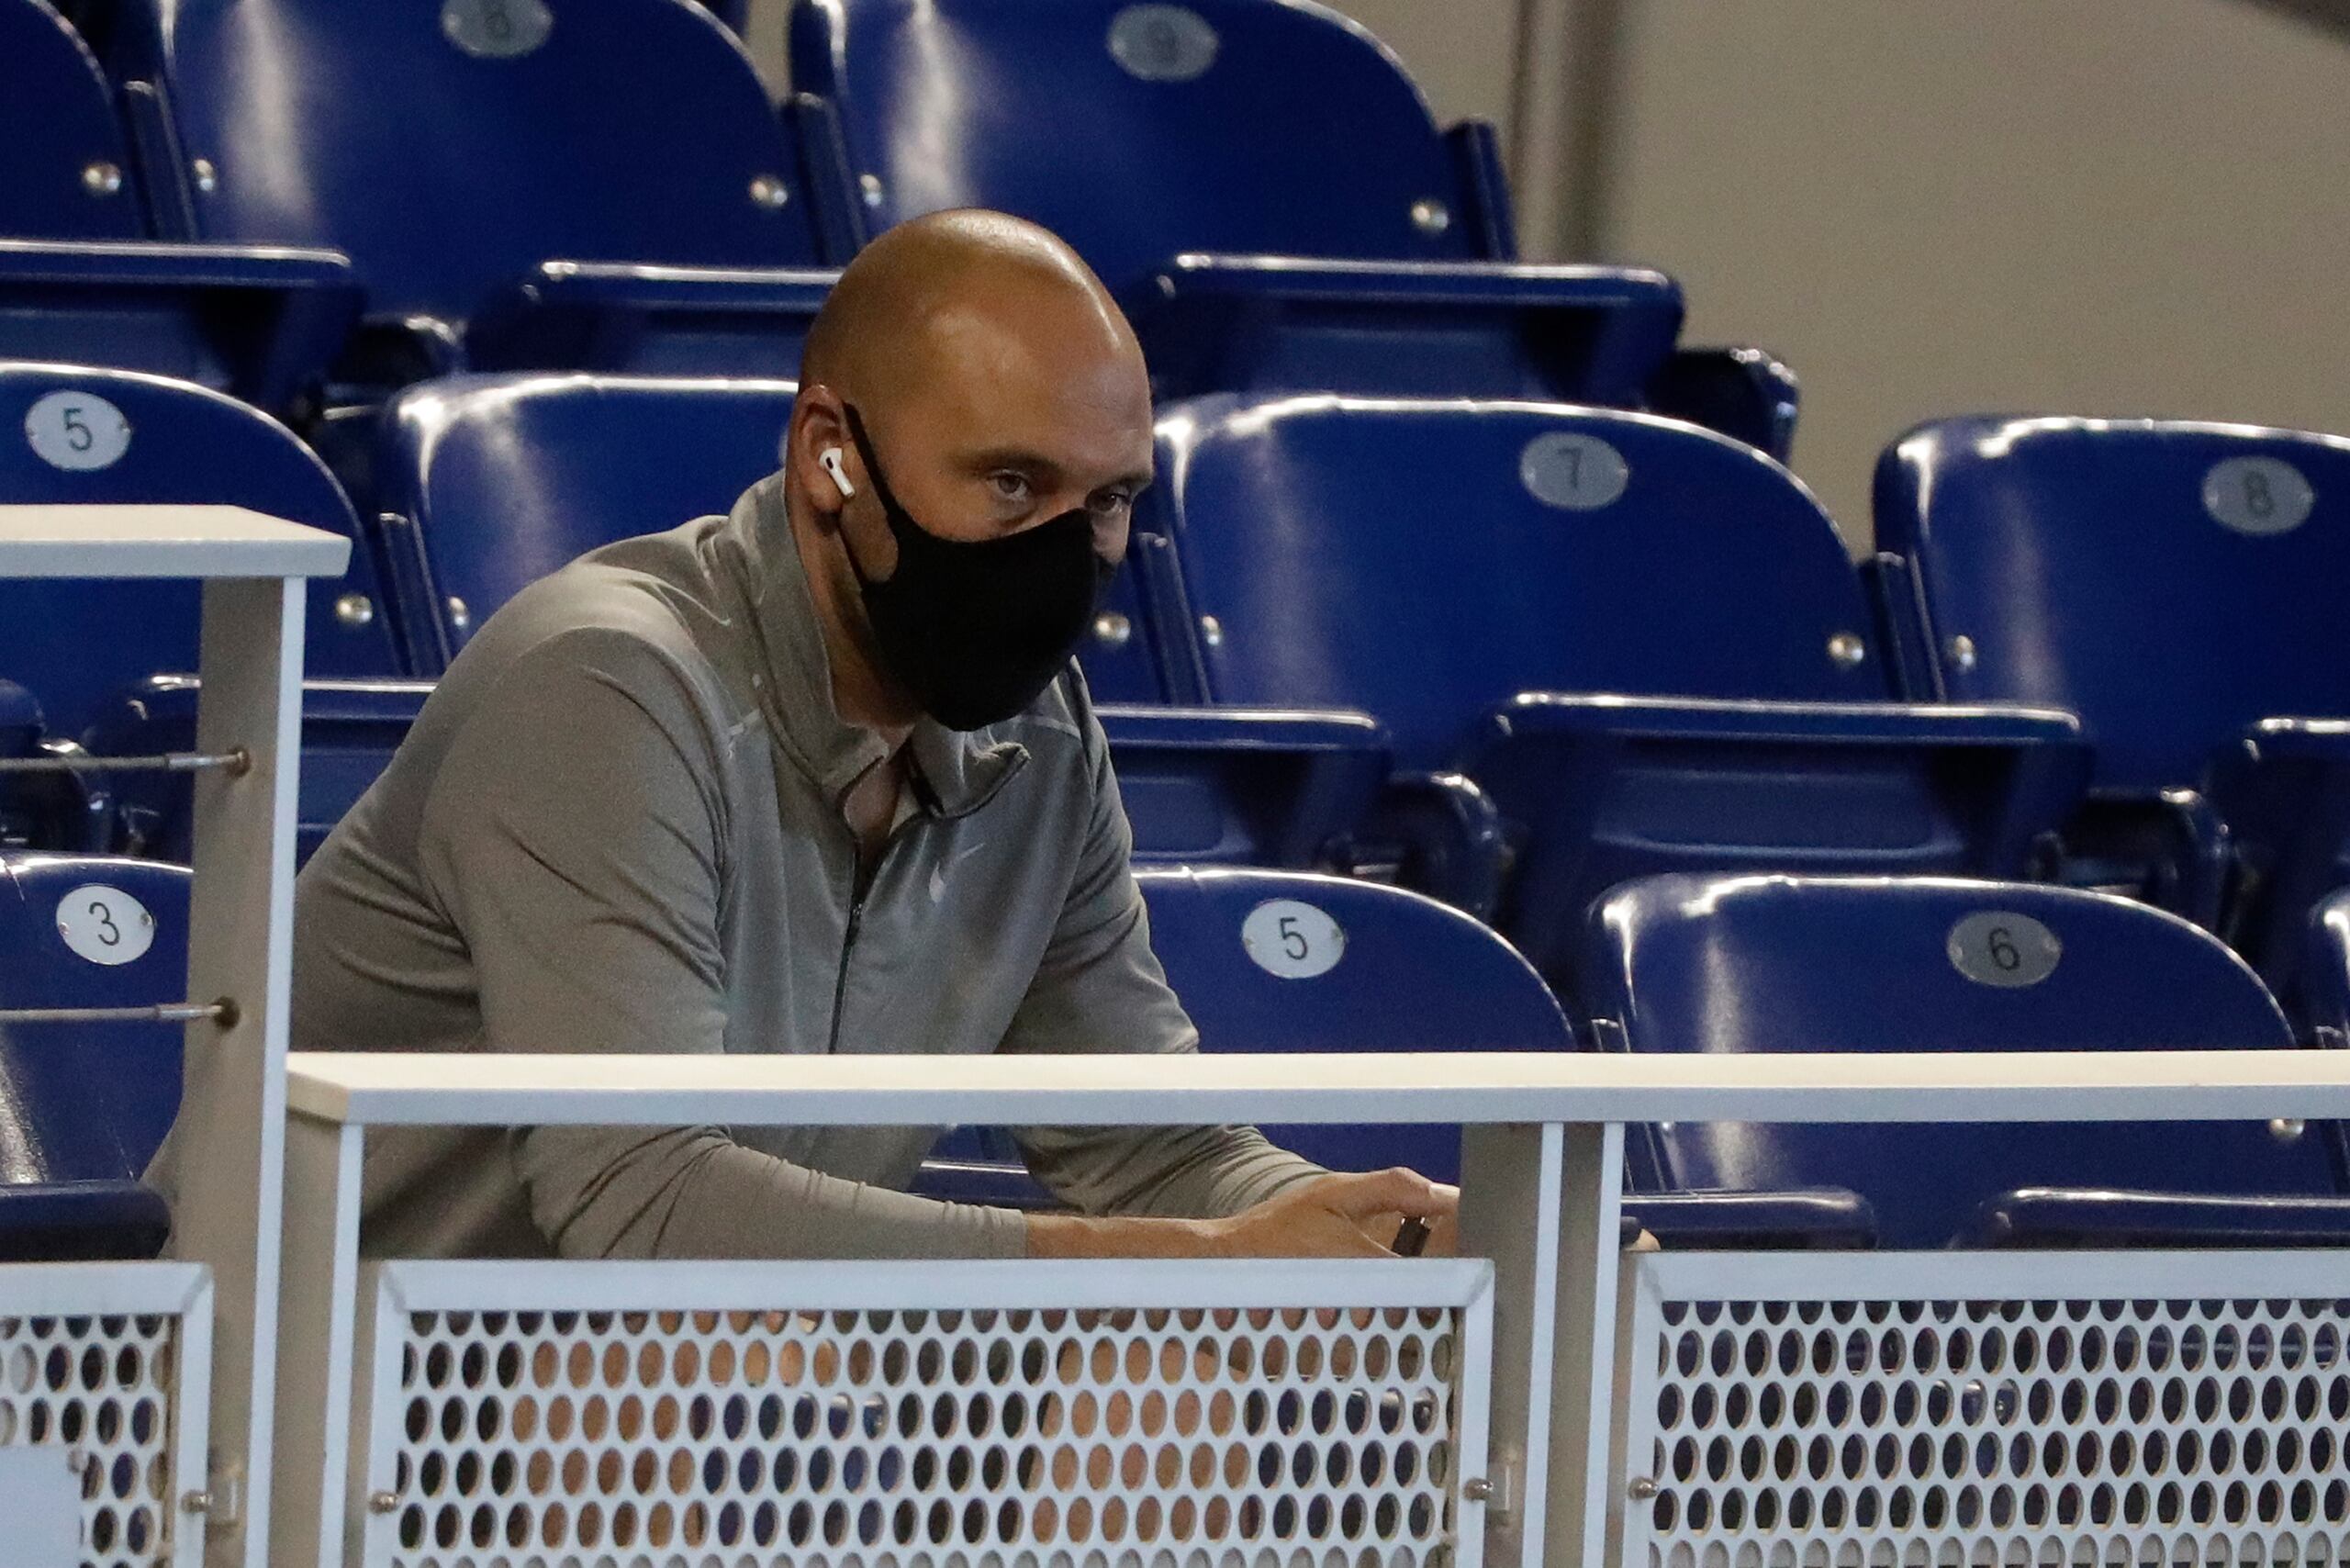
(573, 837)
(1100, 988)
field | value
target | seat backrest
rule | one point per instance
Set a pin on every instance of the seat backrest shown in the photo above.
(1141, 131)
(88, 1102)
(500, 480)
(1425, 561)
(2170, 583)
(67, 175)
(1728, 966)
(448, 148)
(504, 479)
(74, 435)
(1294, 961)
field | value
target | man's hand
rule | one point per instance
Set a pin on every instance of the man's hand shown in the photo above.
(1336, 1217)
(1329, 1217)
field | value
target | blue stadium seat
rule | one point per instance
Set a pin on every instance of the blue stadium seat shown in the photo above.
(45, 809)
(1373, 968)
(77, 435)
(2177, 586)
(1642, 640)
(82, 1106)
(488, 483)
(1261, 239)
(1740, 965)
(613, 191)
(68, 174)
(80, 277)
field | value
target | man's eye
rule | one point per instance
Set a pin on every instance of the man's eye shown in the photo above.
(1114, 504)
(1009, 487)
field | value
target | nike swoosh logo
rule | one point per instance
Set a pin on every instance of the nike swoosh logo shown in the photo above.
(938, 872)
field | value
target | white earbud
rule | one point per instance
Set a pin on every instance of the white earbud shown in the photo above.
(831, 460)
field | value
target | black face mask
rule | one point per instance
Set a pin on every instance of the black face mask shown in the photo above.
(975, 631)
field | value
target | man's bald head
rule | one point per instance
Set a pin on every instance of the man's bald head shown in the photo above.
(962, 292)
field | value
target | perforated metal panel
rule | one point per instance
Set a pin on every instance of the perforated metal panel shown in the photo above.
(1954, 1409)
(924, 1415)
(112, 1362)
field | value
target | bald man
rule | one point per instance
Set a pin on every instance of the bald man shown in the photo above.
(813, 778)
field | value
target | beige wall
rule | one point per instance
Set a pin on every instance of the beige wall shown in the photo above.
(1462, 52)
(2110, 207)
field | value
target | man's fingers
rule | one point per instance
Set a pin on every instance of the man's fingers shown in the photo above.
(1397, 1191)
(1353, 1241)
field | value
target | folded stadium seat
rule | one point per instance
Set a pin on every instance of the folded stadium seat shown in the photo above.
(488, 483)
(350, 729)
(1728, 966)
(612, 190)
(82, 436)
(1644, 642)
(82, 277)
(2325, 974)
(1271, 961)
(1261, 239)
(82, 1106)
(2177, 586)
(46, 810)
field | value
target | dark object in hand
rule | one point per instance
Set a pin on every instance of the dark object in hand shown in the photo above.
(1411, 1237)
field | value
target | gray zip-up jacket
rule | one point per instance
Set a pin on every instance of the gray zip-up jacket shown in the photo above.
(617, 827)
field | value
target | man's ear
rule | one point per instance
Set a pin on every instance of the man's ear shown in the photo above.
(820, 427)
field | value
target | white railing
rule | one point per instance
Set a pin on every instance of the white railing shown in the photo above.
(253, 570)
(1964, 1407)
(1540, 1200)
(878, 1413)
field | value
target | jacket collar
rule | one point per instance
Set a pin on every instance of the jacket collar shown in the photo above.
(955, 773)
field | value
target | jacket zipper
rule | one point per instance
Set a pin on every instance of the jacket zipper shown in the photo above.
(864, 886)
(840, 980)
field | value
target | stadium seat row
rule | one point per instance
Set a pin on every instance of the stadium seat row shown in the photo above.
(1271, 961)
(1510, 654)
(307, 202)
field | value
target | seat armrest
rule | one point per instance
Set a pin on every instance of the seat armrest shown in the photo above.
(263, 322)
(1620, 322)
(1245, 786)
(569, 315)
(1147, 727)
(54, 1222)
(2048, 1216)
(1539, 715)
(1825, 1217)
(2047, 758)
(2322, 741)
